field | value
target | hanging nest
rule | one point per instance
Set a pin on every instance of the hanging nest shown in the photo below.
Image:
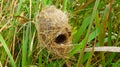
(54, 32)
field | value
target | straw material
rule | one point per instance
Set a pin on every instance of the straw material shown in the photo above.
(54, 32)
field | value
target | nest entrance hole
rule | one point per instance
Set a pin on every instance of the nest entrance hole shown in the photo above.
(60, 39)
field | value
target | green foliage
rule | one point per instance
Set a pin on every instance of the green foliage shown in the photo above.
(7, 51)
(94, 23)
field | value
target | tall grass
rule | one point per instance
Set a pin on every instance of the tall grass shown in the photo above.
(7, 51)
(94, 23)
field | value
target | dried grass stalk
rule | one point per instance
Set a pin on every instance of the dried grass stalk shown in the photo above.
(104, 49)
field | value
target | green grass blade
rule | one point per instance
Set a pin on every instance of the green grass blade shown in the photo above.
(7, 51)
(45, 3)
(113, 55)
(93, 35)
(86, 56)
(116, 64)
(30, 33)
(75, 49)
(81, 30)
(102, 33)
(88, 31)
(40, 57)
(64, 5)
(24, 47)
(109, 33)
(88, 64)
(19, 7)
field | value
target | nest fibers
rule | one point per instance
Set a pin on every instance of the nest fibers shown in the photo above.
(54, 32)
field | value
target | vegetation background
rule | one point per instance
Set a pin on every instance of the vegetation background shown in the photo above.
(94, 22)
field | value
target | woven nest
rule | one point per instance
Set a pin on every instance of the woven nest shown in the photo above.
(54, 32)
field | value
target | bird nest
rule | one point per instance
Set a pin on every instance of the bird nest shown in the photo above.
(54, 32)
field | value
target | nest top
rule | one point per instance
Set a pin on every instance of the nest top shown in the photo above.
(53, 15)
